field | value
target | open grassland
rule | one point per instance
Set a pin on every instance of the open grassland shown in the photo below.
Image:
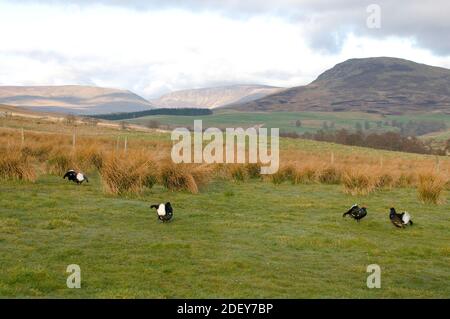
(438, 136)
(250, 239)
(235, 233)
(129, 161)
(286, 121)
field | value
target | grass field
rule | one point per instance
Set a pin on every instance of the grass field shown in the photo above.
(286, 121)
(250, 239)
(232, 239)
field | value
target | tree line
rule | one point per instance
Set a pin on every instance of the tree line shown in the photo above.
(393, 141)
(161, 111)
(409, 128)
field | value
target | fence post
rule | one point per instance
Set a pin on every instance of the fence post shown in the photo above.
(125, 145)
(23, 137)
(438, 164)
(73, 140)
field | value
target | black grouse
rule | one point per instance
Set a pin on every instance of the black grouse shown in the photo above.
(356, 212)
(76, 177)
(164, 211)
(400, 220)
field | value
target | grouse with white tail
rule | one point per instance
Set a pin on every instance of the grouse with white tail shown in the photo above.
(76, 177)
(356, 212)
(400, 220)
(164, 211)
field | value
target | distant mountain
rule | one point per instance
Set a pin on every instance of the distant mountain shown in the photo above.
(381, 85)
(75, 99)
(215, 97)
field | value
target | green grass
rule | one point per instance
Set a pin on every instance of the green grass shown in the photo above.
(250, 239)
(439, 136)
(81, 130)
(311, 121)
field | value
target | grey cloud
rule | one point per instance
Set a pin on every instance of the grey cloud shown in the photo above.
(425, 21)
(327, 24)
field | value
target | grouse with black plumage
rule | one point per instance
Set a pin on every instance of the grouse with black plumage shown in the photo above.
(356, 212)
(400, 220)
(76, 177)
(164, 211)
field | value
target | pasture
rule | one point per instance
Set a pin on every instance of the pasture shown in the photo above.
(286, 121)
(278, 236)
(245, 240)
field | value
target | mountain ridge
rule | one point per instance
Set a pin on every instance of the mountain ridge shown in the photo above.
(78, 99)
(214, 97)
(379, 84)
(383, 85)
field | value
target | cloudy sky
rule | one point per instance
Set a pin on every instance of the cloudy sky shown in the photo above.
(152, 47)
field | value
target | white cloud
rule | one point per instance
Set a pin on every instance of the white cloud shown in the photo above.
(153, 51)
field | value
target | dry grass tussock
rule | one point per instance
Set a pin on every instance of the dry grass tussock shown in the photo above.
(145, 163)
(358, 182)
(127, 173)
(16, 166)
(186, 177)
(430, 188)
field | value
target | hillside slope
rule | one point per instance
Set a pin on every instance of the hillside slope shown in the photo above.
(382, 85)
(215, 97)
(73, 99)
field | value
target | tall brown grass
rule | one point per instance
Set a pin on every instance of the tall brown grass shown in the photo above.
(357, 182)
(146, 162)
(202, 174)
(123, 174)
(16, 166)
(91, 157)
(286, 172)
(238, 172)
(253, 170)
(405, 179)
(60, 163)
(183, 177)
(305, 174)
(329, 175)
(430, 188)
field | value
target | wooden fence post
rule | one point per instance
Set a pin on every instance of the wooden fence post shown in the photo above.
(438, 164)
(125, 145)
(73, 140)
